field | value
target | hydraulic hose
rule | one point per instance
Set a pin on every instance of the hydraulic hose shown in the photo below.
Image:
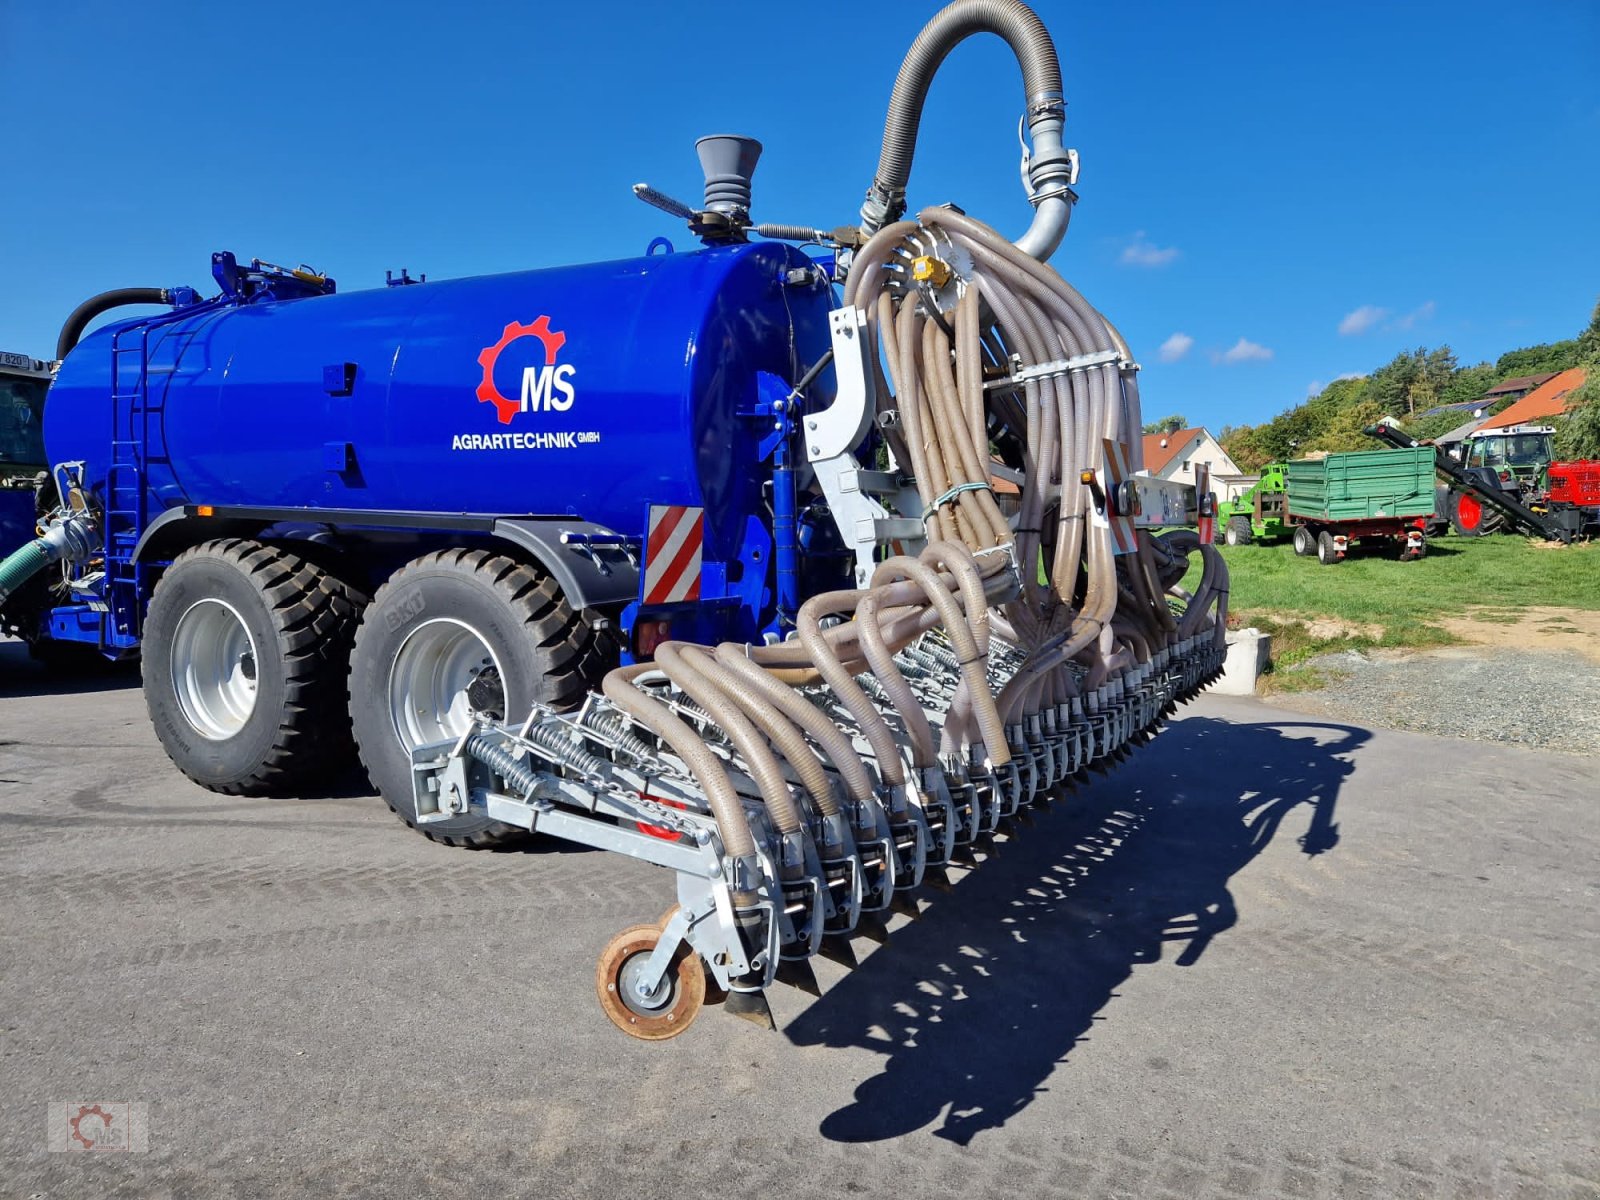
(873, 726)
(912, 716)
(707, 768)
(69, 538)
(1049, 169)
(817, 725)
(91, 308)
(673, 657)
(776, 725)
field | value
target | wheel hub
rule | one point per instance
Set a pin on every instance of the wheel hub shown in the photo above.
(214, 668)
(645, 1001)
(443, 679)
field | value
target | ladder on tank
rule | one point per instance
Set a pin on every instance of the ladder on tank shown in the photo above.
(125, 501)
(138, 440)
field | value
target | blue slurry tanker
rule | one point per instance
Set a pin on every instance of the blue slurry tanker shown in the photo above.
(799, 571)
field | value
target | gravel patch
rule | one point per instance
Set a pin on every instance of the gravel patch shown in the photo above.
(1536, 698)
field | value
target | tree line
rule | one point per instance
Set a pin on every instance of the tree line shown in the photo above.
(1408, 387)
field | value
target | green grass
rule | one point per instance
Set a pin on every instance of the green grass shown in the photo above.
(1494, 576)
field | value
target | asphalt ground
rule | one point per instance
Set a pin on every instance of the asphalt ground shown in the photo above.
(1272, 955)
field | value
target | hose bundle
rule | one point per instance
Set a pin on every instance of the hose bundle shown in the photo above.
(1083, 617)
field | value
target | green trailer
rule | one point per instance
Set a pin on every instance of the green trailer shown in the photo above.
(1369, 497)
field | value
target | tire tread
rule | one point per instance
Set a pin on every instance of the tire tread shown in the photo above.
(577, 655)
(315, 615)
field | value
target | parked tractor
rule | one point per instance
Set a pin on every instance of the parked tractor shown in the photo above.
(693, 557)
(1515, 461)
(1482, 492)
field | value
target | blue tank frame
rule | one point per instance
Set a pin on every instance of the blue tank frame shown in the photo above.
(666, 379)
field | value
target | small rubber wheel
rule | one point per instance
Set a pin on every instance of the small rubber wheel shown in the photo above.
(676, 1001)
(1327, 549)
(1238, 531)
(1421, 549)
(1305, 542)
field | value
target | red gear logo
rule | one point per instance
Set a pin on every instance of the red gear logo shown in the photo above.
(92, 1110)
(487, 392)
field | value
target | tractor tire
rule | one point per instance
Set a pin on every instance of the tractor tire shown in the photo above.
(1238, 532)
(246, 649)
(1305, 542)
(1327, 549)
(1467, 515)
(452, 637)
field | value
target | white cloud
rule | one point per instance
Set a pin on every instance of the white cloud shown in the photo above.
(1370, 316)
(1362, 319)
(1175, 347)
(1244, 350)
(1421, 313)
(1350, 375)
(1315, 386)
(1142, 252)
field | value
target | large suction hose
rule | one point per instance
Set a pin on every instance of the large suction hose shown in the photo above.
(91, 308)
(69, 538)
(1049, 166)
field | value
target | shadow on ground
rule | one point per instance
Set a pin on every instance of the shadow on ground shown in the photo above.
(75, 671)
(977, 1001)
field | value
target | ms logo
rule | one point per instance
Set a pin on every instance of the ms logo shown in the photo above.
(546, 385)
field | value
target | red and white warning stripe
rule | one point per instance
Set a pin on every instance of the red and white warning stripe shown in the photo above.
(1206, 505)
(672, 554)
(1122, 539)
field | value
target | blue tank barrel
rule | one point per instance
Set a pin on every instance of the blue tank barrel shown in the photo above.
(591, 390)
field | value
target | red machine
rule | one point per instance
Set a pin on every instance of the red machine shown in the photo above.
(1575, 483)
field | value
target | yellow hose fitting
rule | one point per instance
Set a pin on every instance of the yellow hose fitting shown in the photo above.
(927, 269)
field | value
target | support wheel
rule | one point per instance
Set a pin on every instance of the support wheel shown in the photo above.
(1327, 549)
(1305, 542)
(715, 994)
(676, 1001)
(1238, 532)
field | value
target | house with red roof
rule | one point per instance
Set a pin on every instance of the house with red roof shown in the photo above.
(1174, 456)
(1540, 406)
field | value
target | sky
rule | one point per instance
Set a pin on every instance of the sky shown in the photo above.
(1272, 195)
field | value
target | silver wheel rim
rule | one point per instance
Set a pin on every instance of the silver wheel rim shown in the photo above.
(214, 666)
(429, 681)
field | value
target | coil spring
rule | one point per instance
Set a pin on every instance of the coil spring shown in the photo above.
(519, 776)
(517, 772)
(614, 727)
(913, 665)
(565, 751)
(874, 689)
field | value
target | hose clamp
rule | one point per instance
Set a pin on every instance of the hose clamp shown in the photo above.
(1042, 105)
(952, 494)
(1059, 367)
